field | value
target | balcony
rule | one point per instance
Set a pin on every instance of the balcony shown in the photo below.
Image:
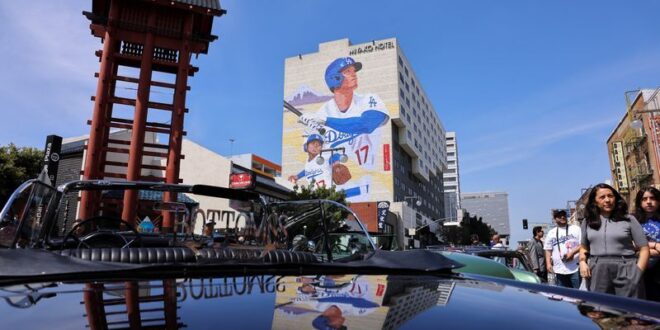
(633, 140)
(641, 173)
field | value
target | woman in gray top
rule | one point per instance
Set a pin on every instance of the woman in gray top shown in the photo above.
(610, 240)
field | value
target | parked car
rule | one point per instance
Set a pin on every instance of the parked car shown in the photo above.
(481, 260)
(479, 266)
(516, 261)
(305, 264)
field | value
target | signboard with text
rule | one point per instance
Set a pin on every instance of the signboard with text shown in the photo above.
(51, 158)
(383, 208)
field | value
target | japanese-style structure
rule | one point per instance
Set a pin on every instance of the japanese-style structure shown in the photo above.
(148, 37)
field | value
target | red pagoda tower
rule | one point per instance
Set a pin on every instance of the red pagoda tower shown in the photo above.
(143, 38)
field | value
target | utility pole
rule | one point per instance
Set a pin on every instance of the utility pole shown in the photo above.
(231, 147)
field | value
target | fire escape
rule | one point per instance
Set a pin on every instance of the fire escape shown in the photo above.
(637, 147)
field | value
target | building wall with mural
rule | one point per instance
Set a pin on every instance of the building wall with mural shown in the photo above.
(346, 96)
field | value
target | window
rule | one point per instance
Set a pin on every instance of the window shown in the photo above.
(400, 61)
(405, 69)
(401, 78)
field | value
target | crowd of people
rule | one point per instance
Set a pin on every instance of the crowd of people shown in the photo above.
(612, 251)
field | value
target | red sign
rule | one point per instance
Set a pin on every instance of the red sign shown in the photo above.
(380, 290)
(386, 157)
(241, 180)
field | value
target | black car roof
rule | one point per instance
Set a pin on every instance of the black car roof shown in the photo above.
(205, 190)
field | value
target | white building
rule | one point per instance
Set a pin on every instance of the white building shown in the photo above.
(400, 161)
(200, 166)
(492, 207)
(451, 178)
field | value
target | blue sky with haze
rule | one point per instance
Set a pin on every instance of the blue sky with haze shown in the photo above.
(533, 89)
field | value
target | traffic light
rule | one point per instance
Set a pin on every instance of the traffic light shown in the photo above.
(524, 223)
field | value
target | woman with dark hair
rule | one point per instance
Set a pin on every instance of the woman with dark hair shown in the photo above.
(647, 210)
(610, 239)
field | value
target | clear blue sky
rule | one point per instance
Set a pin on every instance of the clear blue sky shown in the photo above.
(533, 89)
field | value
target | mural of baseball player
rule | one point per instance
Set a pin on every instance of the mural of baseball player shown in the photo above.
(316, 170)
(351, 120)
(332, 294)
(323, 172)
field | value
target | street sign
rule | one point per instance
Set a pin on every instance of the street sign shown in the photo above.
(383, 208)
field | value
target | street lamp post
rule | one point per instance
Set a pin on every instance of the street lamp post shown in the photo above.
(418, 202)
(410, 226)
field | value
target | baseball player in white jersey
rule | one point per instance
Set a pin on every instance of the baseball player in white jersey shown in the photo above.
(317, 171)
(352, 120)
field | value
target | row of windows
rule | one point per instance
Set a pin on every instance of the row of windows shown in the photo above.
(412, 81)
(428, 126)
(406, 184)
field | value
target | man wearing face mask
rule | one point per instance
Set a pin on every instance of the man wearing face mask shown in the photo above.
(562, 245)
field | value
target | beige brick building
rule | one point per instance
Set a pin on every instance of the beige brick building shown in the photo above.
(634, 145)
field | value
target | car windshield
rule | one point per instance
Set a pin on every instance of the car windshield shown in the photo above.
(210, 217)
(305, 223)
(23, 220)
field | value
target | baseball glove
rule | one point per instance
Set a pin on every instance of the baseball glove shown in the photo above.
(340, 174)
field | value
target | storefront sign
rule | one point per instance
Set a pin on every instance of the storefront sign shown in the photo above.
(51, 158)
(242, 181)
(383, 208)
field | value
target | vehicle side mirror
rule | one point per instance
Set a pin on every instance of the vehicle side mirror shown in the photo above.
(300, 243)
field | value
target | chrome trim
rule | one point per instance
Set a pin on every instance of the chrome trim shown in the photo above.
(310, 201)
(15, 195)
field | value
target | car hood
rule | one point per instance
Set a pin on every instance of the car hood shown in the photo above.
(478, 265)
(525, 276)
(269, 301)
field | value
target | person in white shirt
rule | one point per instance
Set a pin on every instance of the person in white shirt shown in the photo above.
(497, 243)
(562, 245)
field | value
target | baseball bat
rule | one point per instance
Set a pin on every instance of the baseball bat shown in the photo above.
(297, 112)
